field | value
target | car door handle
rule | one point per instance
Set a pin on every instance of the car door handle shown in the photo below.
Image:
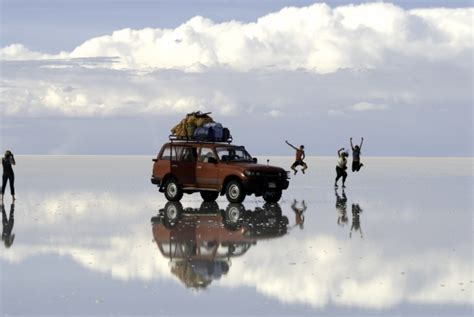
(199, 167)
(174, 165)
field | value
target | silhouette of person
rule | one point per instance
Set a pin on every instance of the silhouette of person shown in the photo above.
(341, 167)
(7, 236)
(8, 175)
(299, 213)
(356, 210)
(356, 164)
(341, 207)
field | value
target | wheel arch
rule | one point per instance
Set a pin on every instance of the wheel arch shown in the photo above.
(226, 181)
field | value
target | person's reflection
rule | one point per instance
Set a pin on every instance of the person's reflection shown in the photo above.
(356, 210)
(7, 236)
(341, 207)
(299, 213)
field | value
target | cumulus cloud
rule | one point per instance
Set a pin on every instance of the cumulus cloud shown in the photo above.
(317, 38)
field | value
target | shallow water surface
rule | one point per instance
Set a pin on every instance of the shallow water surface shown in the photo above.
(92, 236)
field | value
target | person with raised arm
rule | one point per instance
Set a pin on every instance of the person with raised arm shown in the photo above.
(356, 164)
(341, 167)
(299, 160)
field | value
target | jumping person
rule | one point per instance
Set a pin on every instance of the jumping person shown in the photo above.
(300, 156)
(356, 164)
(341, 167)
(8, 174)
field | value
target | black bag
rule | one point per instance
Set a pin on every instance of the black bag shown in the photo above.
(225, 135)
(204, 134)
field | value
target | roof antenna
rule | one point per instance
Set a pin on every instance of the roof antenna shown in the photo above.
(268, 162)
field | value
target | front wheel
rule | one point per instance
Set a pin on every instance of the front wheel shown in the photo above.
(272, 196)
(173, 191)
(209, 196)
(235, 192)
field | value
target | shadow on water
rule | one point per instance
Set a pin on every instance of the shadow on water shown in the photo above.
(200, 242)
(8, 222)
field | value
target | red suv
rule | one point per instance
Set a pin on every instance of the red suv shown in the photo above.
(215, 169)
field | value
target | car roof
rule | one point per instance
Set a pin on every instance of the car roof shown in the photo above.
(200, 144)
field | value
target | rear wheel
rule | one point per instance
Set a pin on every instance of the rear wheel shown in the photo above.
(209, 196)
(172, 214)
(272, 196)
(173, 191)
(235, 192)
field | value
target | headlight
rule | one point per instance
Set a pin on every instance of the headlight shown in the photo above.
(249, 173)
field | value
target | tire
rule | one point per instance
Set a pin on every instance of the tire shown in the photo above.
(209, 196)
(172, 213)
(235, 192)
(272, 196)
(233, 216)
(173, 191)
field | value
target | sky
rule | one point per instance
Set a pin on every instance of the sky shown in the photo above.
(113, 77)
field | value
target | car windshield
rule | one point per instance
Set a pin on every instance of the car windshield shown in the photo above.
(233, 154)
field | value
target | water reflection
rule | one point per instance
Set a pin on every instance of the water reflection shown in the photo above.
(200, 242)
(341, 208)
(299, 213)
(356, 210)
(8, 222)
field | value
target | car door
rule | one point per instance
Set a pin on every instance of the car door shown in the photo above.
(183, 165)
(207, 169)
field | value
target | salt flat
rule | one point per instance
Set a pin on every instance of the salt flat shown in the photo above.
(397, 242)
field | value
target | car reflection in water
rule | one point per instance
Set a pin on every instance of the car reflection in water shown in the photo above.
(200, 242)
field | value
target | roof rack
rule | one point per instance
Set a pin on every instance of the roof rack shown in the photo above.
(175, 138)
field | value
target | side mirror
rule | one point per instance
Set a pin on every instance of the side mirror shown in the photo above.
(255, 160)
(212, 160)
(154, 160)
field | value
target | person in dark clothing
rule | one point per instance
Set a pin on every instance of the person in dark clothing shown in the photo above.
(300, 156)
(7, 236)
(341, 167)
(356, 164)
(7, 161)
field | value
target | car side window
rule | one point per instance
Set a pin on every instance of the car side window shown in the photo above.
(205, 154)
(189, 154)
(174, 151)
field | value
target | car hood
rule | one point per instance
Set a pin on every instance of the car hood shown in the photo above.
(255, 167)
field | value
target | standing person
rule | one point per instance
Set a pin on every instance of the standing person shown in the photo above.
(300, 156)
(7, 161)
(356, 164)
(341, 167)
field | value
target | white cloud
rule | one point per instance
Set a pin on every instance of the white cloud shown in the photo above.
(317, 38)
(368, 106)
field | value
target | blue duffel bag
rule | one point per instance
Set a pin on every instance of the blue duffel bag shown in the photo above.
(216, 131)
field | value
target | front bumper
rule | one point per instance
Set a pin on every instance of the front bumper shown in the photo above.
(260, 185)
(155, 181)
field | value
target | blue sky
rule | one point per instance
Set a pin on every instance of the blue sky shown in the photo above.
(112, 77)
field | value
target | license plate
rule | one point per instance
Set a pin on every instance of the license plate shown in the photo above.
(272, 185)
